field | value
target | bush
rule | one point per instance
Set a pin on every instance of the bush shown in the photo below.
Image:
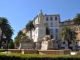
(2, 50)
(11, 45)
(36, 57)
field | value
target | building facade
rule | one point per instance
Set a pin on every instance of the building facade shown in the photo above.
(72, 43)
(43, 20)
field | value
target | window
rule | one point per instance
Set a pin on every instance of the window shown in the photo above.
(55, 18)
(68, 23)
(46, 18)
(56, 30)
(56, 24)
(63, 42)
(51, 31)
(51, 18)
(56, 37)
(70, 42)
(51, 24)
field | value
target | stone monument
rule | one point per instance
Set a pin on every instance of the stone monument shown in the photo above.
(26, 43)
(47, 43)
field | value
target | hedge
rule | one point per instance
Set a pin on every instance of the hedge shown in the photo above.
(36, 57)
(3, 50)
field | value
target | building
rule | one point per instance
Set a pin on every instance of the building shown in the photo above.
(41, 21)
(75, 28)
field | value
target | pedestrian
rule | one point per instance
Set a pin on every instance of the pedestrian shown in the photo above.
(76, 46)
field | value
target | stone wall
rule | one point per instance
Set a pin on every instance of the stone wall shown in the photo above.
(24, 51)
(14, 50)
(56, 52)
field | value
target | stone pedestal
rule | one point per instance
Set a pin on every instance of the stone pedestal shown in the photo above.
(26, 43)
(38, 45)
(44, 45)
(47, 43)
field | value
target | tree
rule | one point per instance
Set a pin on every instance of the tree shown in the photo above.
(47, 31)
(11, 45)
(6, 29)
(18, 37)
(76, 20)
(29, 25)
(68, 34)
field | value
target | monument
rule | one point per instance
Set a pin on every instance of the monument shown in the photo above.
(26, 43)
(47, 43)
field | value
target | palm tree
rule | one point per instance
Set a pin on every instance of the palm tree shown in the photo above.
(6, 29)
(30, 26)
(76, 20)
(68, 34)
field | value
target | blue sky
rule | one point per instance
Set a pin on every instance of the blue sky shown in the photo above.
(19, 12)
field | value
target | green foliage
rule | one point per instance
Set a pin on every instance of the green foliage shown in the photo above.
(2, 50)
(47, 31)
(37, 57)
(76, 20)
(18, 37)
(30, 26)
(68, 34)
(6, 29)
(11, 45)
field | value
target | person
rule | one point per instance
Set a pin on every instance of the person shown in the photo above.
(66, 46)
(76, 46)
(58, 46)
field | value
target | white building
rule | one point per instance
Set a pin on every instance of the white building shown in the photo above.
(52, 22)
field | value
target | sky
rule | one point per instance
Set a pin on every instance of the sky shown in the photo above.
(19, 12)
